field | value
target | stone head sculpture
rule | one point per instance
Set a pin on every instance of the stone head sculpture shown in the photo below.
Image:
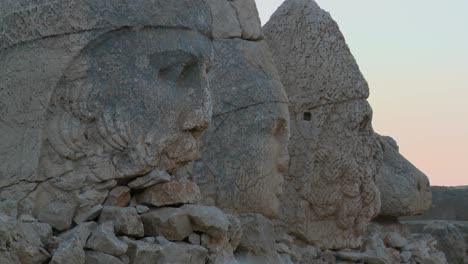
(330, 195)
(404, 189)
(244, 153)
(115, 89)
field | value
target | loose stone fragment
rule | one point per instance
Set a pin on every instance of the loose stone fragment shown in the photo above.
(150, 179)
(88, 215)
(194, 239)
(81, 231)
(170, 193)
(103, 239)
(96, 257)
(182, 253)
(126, 220)
(58, 214)
(172, 223)
(395, 240)
(207, 219)
(69, 251)
(119, 196)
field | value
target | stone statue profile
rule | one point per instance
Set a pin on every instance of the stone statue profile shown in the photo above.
(244, 154)
(115, 89)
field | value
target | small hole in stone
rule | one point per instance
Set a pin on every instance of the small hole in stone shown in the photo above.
(307, 116)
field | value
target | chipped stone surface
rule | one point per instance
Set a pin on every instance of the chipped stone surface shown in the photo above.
(225, 21)
(172, 223)
(249, 19)
(404, 189)
(103, 239)
(126, 220)
(330, 194)
(119, 196)
(170, 193)
(96, 257)
(250, 119)
(448, 203)
(150, 179)
(258, 240)
(69, 251)
(207, 219)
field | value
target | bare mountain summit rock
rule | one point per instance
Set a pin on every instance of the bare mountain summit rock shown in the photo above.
(330, 194)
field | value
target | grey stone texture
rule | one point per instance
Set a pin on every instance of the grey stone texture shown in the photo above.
(61, 60)
(126, 220)
(448, 203)
(172, 223)
(244, 153)
(404, 189)
(170, 193)
(330, 194)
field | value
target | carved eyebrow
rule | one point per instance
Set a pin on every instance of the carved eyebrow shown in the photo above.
(161, 60)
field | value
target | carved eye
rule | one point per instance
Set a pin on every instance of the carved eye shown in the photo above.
(171, 73)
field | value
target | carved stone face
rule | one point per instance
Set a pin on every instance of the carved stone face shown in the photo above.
(245, 150)
(139, 97)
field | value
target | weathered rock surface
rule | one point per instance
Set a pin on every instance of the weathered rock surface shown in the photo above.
(119, 196)
(69, 251)
(258, 240)
(172, 223)
(244, 152)
(96, 257)
(404, 189)
(150, 179)
(126, 220)
(330, 195)
(104, 240)
(170, 193)
(448, 203)
(207, 219)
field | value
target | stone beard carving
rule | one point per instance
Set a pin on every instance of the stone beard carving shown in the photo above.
(330, 195)
(244, 152)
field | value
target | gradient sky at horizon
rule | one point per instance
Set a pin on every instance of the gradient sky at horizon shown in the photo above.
(414, 54)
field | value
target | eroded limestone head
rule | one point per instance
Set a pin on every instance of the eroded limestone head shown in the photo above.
(405, 190)
(245, 153)
(117, 89)
(136, 99)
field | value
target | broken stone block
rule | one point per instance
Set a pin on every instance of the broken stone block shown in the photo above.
(182, 253)
(103, 239)
(126, 220)
(234, 231)
(172, 223)
(140, 252)
(219, 249)
(150, 179)
(225, 22)
(96, 257)
(249, 19)
(87, 214)
(58, 214)
(141, 209)
(119, 196)
(207, 219)
(395, 240)
(70, 251)
(194, 239)
(170, 193)
(81, 231)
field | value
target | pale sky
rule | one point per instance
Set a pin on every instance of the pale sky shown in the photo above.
(414, 54)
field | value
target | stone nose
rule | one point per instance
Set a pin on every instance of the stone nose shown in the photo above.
(198, 115)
